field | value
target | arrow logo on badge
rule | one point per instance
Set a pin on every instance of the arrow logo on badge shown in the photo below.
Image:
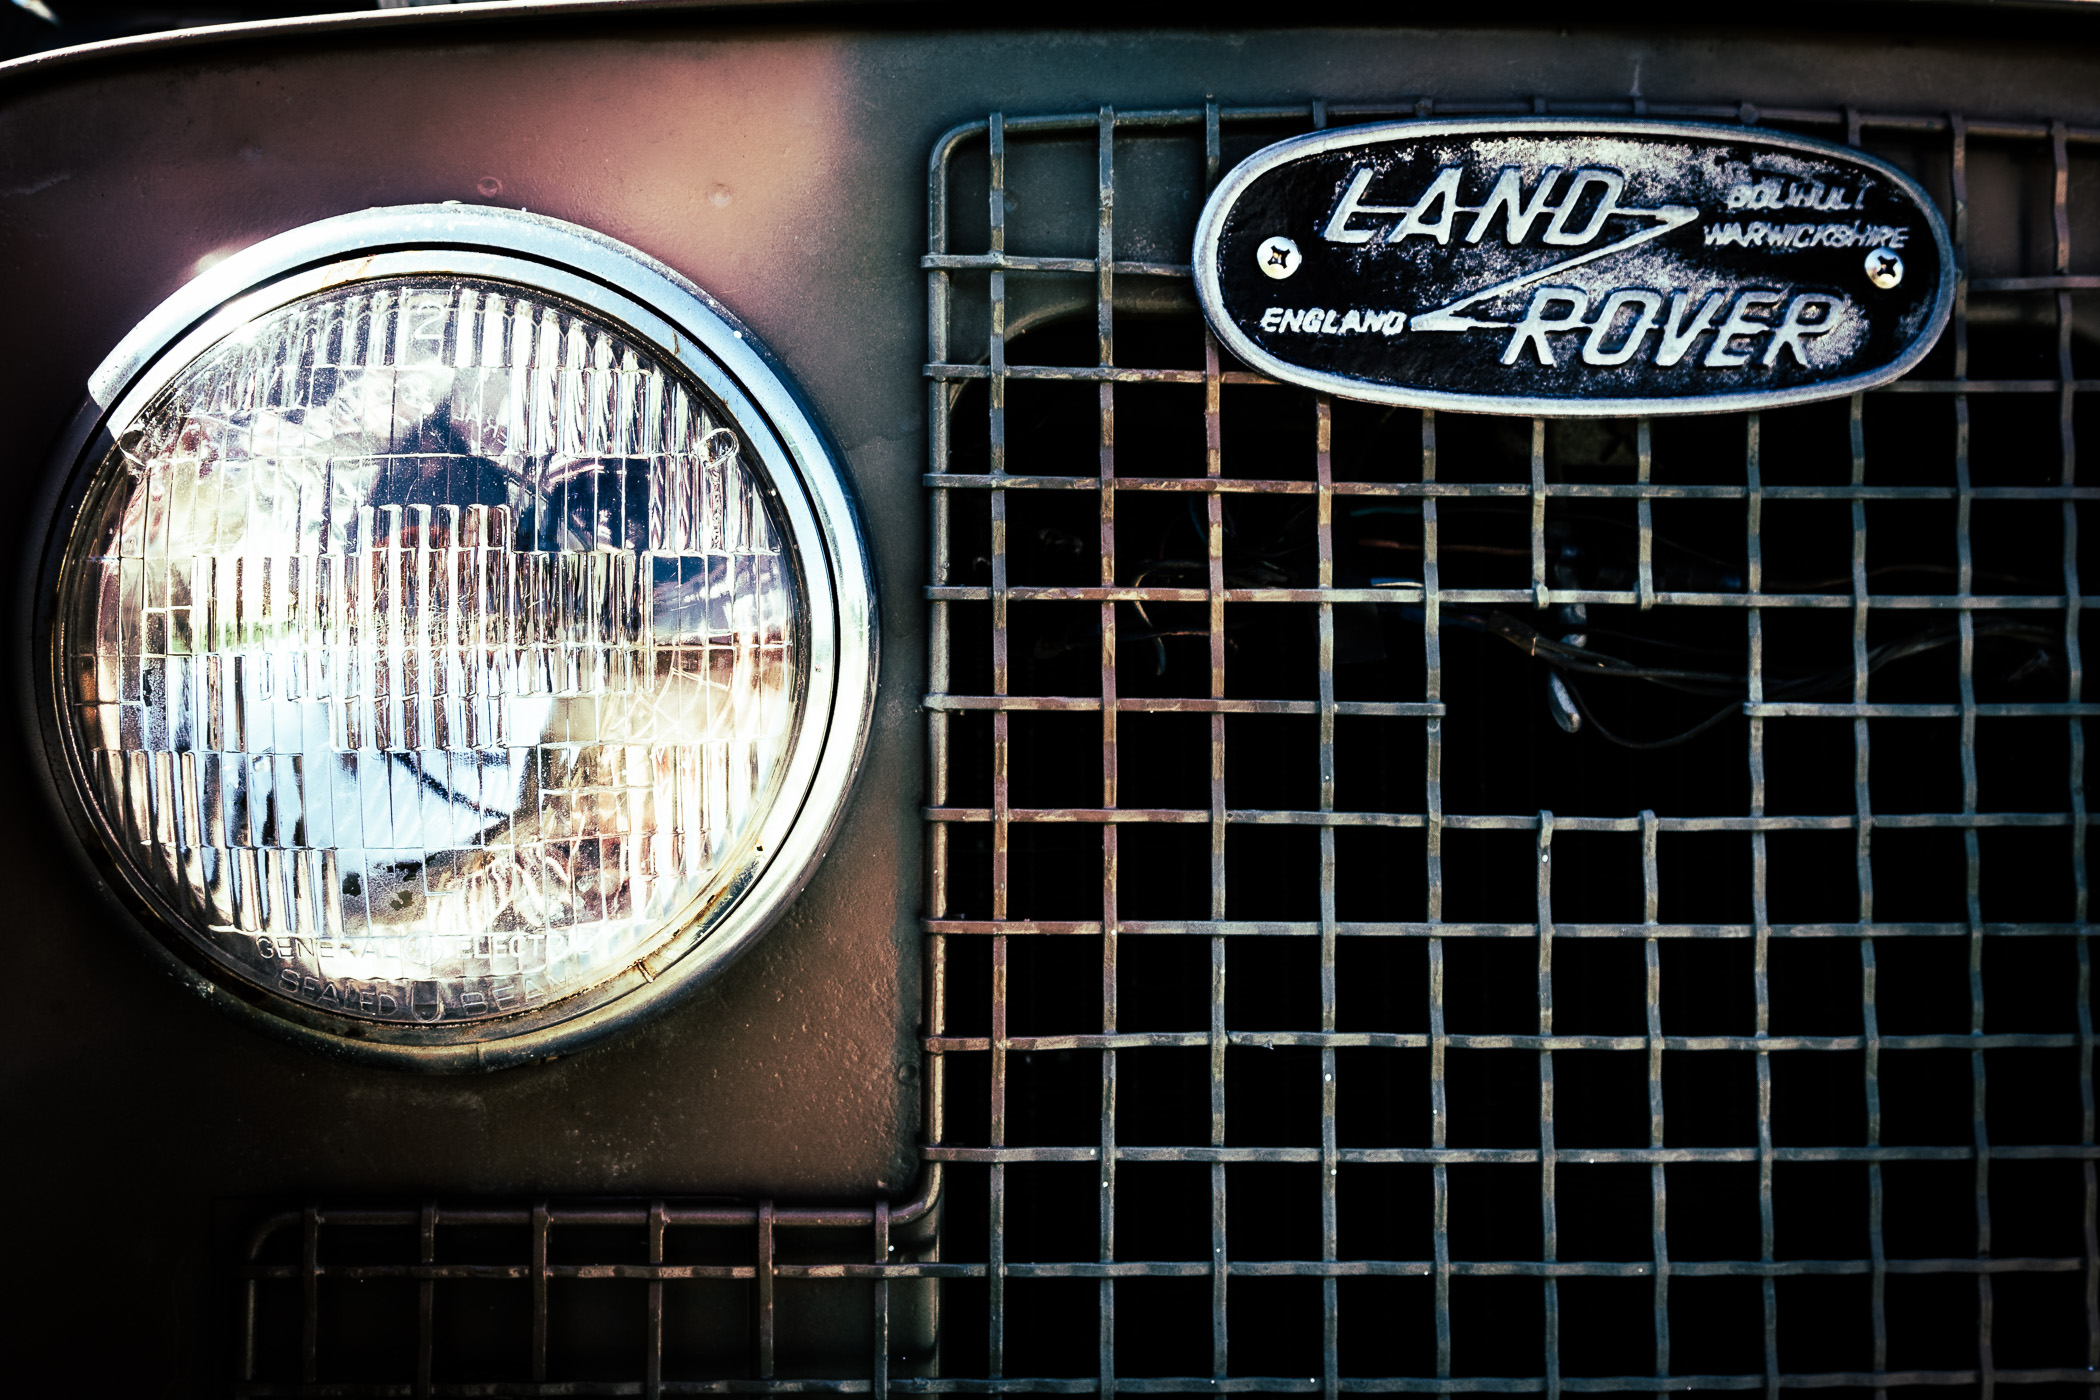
(1447, 317)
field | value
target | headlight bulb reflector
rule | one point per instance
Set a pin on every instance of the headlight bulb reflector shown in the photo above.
(431, 650)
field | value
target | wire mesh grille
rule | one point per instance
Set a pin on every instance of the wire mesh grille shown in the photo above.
(1154, 979)
(597, 1297)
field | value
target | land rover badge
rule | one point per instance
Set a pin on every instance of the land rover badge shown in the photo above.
(1565, 267)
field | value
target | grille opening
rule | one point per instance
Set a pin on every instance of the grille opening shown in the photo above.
(1503, 760)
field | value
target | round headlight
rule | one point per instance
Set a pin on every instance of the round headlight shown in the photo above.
(456, 649)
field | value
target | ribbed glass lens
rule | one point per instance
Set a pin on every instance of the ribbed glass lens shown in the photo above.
(431, 649)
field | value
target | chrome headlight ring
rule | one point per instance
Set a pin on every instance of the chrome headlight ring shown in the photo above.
(458, 951)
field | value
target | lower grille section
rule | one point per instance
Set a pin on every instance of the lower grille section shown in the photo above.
(603, 1297)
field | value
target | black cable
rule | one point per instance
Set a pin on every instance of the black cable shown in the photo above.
(1589, 715)
(1563, 656)
(1568, 660)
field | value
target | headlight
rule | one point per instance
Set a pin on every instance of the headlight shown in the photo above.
(449, 644)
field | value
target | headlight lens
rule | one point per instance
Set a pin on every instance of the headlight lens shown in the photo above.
(431, 650)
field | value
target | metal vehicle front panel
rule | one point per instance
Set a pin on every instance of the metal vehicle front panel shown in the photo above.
(1227, 948)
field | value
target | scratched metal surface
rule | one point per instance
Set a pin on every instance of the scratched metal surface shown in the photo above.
(721, 144)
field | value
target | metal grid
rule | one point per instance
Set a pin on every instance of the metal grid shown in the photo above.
(293, 1257)
(983, 1144)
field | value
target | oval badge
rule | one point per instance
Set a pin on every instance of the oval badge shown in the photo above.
(1563, 267)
